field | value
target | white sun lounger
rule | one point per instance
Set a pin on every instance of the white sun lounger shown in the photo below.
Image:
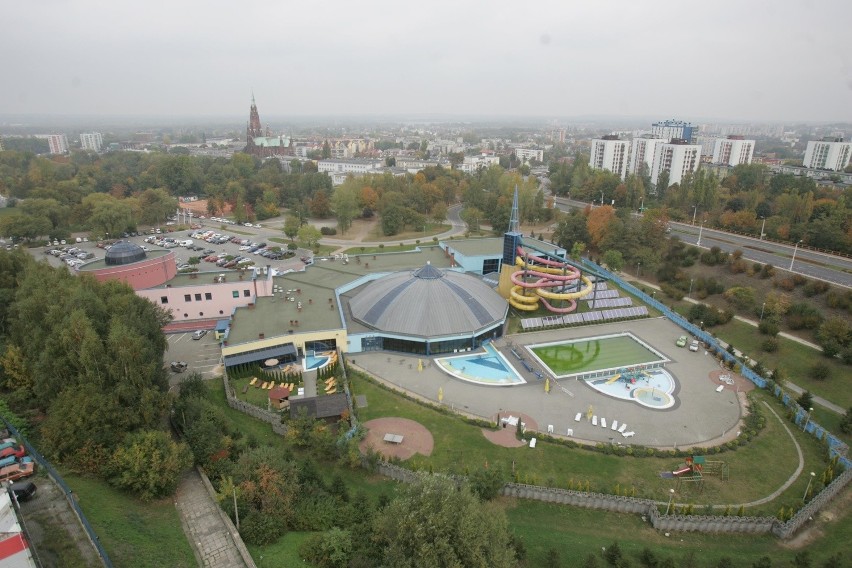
(629, 434)
(595, 420)
(615, 424)
(577, 418)
(622, 428)
(603, 422)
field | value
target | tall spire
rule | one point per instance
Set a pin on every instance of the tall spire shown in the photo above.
(514, 225)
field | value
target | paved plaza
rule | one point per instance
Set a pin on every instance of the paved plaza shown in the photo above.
(701, 415)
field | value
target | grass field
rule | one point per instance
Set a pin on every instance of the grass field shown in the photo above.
(593, 354)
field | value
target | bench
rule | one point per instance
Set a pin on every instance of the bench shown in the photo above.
(393, 438)
(245, 389)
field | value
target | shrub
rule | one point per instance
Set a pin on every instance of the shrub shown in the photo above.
(671, 291)
(820, 371)
(814, 287)
(767, 327)
(741, 297)
(149, 463)
(769, 345)
(803, 316)
(328, 230)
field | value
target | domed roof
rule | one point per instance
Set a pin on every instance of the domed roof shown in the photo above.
(428, 302)
(124, 252)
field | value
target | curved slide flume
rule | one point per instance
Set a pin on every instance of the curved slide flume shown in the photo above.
(549, 274)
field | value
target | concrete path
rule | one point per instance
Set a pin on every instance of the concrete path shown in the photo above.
(207, 533)
(792, 386)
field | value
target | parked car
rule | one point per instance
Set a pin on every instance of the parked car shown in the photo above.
(26, 468)
(178, 366)
(199, 334)
(681, 341)
(23, 490)
(14, 451)
(694, 345)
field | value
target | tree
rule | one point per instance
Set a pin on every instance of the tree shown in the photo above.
(834, 334)
(613, 260)
(345, 203)
(613, 554)
(393, 220)
(291, 226)
(111, 216)
(599, 224)
(452, 528)
(320, 205)
(330, 549)
(326, 150)
(846, 422)
(806, 400)
(309, 236)
(473, 217)
(552, 559)
(149, 463)
(155, 205)
(486, 483)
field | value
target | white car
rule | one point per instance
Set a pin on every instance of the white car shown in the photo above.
(694, 345)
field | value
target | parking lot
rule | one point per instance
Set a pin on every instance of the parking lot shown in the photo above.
(202, 355)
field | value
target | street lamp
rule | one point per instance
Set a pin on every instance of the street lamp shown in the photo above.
(762, 226)
(642, 204)
(808, 419)
(808, 488)
(671, 497)
(638, 269)
(690, 287)
(694, 213)
(763, 307)
(792, 260)
(601, 198)
(700, 230)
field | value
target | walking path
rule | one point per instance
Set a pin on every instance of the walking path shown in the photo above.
(203, 525)
(827, 404)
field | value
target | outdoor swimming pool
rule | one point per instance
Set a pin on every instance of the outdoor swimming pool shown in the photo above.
(315, 362)
(652, 388)
(487, 367)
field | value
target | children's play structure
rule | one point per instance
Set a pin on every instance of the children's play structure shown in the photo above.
(629, 377)
(693, 470)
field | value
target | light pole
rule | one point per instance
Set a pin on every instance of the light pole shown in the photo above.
(690, 287)
(642, 204)
(694, 213)
(762, 226)
(808, 488)
(808, 419)
(763, 307)
(700, 230)
(671, 497)
(792, 260)
(601, 198)
(638, 269)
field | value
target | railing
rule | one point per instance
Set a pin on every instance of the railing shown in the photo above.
(66, 491)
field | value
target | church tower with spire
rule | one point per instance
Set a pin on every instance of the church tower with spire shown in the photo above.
(254, 129)
(260, 142)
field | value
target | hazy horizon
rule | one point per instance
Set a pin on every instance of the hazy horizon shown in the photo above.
(781, 62)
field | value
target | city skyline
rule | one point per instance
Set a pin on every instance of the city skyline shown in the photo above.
(757, 62)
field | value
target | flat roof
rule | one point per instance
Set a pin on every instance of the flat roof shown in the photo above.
(478, 247)
(271, 316)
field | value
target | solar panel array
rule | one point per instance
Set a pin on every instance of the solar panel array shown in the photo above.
(585, 317)
(609, 303)
(604, 294)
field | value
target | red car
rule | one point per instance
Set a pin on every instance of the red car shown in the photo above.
(18, 452)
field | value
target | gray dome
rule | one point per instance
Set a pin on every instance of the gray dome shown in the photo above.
(124, 252)
(428, 303)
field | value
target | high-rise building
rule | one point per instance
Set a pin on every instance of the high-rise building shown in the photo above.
(642, 152)
(671, 129)
(678, 158)
(610, 153)
(91, 141)
(828, 154)
(57, 143)
(733, 150)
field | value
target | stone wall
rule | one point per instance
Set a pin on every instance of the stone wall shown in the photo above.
(711, 523)
(600, 501)
(272, 418)
(806, 513)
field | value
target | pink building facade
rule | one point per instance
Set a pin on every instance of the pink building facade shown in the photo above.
(146, 273)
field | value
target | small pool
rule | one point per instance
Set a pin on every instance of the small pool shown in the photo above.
(315, 362)
(652, 388)
(487, 367)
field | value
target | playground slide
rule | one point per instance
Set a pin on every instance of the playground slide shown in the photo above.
(613, 379)
(549, 274)
(681, 471)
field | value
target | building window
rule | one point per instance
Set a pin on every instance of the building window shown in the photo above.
(221, 312)
(198, 297)
(246, 293)
(186, 315)
(201, 314)
(164, 299)
(187, 298)
(208, 296)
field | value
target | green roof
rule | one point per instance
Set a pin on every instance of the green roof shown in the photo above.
(478, 247)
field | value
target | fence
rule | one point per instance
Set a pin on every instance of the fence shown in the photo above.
(66, 491)
(835, 445)
(272, 418)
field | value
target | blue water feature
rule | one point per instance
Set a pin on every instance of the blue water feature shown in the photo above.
(486, 368)
(314, 362)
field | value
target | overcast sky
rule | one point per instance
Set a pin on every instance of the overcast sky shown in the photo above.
(779, 60)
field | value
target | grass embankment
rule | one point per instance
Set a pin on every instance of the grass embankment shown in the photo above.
(431, 230)
(794, 358)
(757, 469)
(134, 534)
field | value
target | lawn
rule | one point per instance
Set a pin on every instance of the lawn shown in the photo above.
(756, 470)
(431, 229)
(593, 354)
(794, 358)
(134, 534)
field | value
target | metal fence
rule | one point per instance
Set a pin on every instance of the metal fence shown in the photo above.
(66, 491)
(835, 445)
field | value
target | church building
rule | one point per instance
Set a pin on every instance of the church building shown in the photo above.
(261, 143)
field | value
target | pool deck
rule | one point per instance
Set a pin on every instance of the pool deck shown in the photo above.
(701, 416)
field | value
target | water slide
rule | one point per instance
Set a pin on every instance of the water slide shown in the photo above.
(548, 275)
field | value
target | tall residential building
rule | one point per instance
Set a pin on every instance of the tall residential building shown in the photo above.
(642, 152)
(57, 143)
(91, 141)
(678, 157)
(733, 151)
(828, 154)
(610, 153)
(670, 129)
(527, 154)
